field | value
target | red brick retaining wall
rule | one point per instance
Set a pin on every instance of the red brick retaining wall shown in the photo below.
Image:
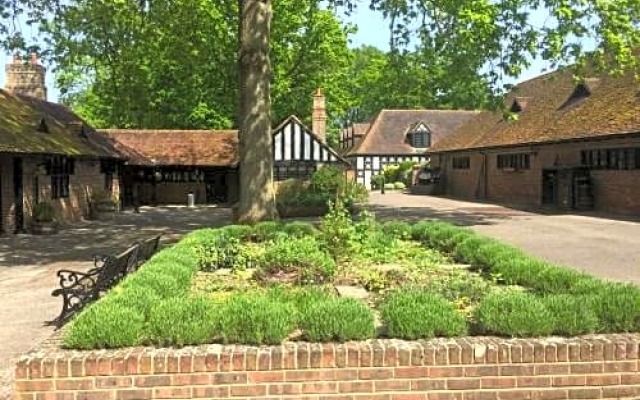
(474, 368)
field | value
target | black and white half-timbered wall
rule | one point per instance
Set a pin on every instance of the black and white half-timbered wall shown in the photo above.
(298, 152)
(395, 136)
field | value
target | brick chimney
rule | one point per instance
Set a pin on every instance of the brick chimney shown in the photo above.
(319, 124)
(26, 78)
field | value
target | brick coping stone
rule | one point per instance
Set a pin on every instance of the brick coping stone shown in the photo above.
(595, 366)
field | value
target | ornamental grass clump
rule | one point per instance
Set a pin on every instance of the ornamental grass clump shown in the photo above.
(397, 229)
(468, 248)
(514, 314)
(299, 229)
(491, 252)
(572, 315)
(105, 325)
(337, 319)
(419, 314)
(254, 318)
(241, 232)
(297, 260)
(163, 283)
(267, 230)
(180, 321)
(618, 308)
(301, 297)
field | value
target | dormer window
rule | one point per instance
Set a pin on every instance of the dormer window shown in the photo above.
(419, 136)
(581, 92)
(519, 104)
(42, 126)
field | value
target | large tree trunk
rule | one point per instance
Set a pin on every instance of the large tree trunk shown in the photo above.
(257, 200)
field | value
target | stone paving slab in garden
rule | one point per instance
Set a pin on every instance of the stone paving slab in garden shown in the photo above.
(28, 265)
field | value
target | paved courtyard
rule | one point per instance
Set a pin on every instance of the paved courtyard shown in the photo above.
(28, 265)
(602, 245)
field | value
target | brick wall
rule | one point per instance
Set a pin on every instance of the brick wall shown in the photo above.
(602, 367)
(614, 190)
(86, 178)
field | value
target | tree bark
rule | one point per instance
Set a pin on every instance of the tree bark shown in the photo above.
(257, 198)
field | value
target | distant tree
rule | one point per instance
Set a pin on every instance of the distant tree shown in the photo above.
(481, 32)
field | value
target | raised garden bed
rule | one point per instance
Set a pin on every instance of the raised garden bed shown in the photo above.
(346, 280)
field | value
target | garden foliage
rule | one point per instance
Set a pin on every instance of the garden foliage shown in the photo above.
(328, 183)
(419, 314)
(508, 293)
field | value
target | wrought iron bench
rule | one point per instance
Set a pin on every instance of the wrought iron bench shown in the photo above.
(78, 289)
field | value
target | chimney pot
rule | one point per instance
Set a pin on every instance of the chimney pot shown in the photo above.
(26, 78)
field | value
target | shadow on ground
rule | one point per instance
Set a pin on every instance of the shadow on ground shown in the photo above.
(80, 242)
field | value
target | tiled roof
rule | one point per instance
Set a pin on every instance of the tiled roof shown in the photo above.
(177, 147)
(66, 133)
(358, 130)
(556, 109)
(387, 132)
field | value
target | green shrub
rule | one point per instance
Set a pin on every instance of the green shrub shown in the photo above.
(105, 324)
(241, 232)
(265, 231)
(339, 319)
(555, 279)
(300, 297)
(572, 315)
(460, 284)
(377, 181)
(618, 308)
(305, 199)
(300, 229)
(355, 192)
(418, 314)
(254, 318)
(299, 256)
(397, 229)
(161, 284)
(515, 314)
(142, 299)
(181, 321)
(389, 186)
(467, 249)
(490, 252)
(518, 270)
(399, 185)
(337, 230)
(224, 252)
(328, 179)
(445, 237)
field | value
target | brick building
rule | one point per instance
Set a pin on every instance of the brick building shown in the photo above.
(560, 143)
(395, 136)
(164, 166)
(47, 153)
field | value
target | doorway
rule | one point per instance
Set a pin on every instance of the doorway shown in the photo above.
(549, 187)
(18, 192)
(217, 190)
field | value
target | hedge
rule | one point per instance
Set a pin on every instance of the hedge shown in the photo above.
(153, 305)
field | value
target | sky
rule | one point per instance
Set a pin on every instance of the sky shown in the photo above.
(372, 30)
